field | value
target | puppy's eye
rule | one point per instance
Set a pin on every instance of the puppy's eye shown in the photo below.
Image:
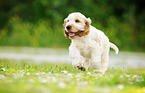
(67, 21)
(77, 21)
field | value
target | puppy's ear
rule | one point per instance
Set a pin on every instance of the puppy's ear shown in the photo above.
(88, 23)
(64, 22)
(66, 34)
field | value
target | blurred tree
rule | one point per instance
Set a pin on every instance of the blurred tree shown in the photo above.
(118, 19)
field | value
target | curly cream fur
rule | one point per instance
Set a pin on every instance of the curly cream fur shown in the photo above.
(91, 49)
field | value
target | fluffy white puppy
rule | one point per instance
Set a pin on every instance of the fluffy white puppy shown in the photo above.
(89, 46)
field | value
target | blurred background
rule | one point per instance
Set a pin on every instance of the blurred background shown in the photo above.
(32, 33)
(38, 23)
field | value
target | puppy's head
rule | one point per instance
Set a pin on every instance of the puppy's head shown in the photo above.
(76, 25)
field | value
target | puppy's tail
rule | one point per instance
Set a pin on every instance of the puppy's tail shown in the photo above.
(114, 47)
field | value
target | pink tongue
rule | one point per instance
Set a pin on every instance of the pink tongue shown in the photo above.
(71, 34)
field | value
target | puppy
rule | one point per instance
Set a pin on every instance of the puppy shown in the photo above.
(89, 46)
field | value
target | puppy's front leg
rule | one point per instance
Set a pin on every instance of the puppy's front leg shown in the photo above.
(76, 58)
(96, 63)
(87, 63)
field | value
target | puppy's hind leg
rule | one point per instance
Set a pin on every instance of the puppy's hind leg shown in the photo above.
(104, 63)
(95, 62)
(102, 66)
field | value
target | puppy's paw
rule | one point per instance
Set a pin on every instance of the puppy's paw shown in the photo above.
(81, 68)
(76, 65)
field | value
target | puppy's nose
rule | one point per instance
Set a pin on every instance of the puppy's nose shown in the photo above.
(68, 27)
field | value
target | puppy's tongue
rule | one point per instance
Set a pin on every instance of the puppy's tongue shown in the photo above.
(71, 34)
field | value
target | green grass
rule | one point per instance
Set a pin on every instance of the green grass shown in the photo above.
(29, 77)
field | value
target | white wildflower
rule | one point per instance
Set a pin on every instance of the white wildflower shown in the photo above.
(82, 83)
(120, 86)
(136, 78)
(50, 73)
(121, 76)
(2, 76)
(54, 79)
(44, 80)
(142, 79)
(99, 75)
(72, 83)
(49, 77)
(21, 70)
(37, 74)
(77, 79)
(127, 75)
(28, 73)
(43, 73)
(4, 69)
(56, 74)
(15, 75)
(22, 75)
(111, 76)
(40, 78)
(80, 75)
(61, 85)
(70, 75)
(30, 80)
(89, 73)
(64, 71)
(9, 81)
(130, 83)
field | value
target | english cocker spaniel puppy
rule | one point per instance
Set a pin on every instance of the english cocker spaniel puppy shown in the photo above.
(89, 46)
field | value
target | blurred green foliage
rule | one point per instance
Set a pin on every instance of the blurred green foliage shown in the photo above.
(38, 23)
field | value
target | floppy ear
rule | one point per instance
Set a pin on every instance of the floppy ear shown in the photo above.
(66, 34)
(88, 23)
(64, 22)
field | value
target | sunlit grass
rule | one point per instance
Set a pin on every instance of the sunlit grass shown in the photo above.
(26, 77)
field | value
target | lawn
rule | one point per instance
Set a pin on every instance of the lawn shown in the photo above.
(28, 77)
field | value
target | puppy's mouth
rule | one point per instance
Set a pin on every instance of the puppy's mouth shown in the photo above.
(72, 34)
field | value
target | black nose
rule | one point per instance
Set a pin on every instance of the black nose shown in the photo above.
(68, 27)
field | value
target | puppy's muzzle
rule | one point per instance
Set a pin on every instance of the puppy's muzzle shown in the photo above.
(68, 27)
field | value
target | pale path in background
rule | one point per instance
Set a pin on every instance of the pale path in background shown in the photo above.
(123, 59)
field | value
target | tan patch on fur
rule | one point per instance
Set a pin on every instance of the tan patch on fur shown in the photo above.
(66, 34)
(82, 33)
(80, 27)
